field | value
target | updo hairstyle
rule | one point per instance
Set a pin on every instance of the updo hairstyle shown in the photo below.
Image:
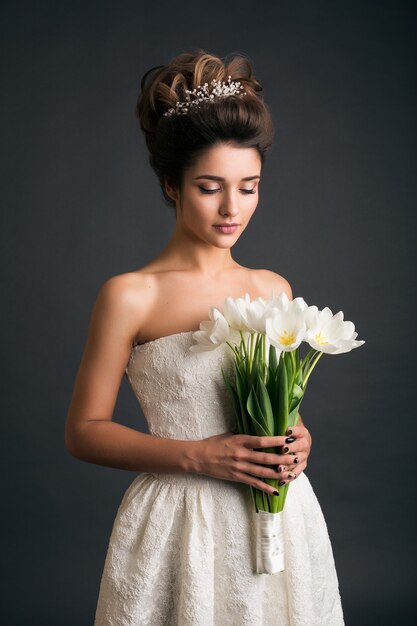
(176, 141)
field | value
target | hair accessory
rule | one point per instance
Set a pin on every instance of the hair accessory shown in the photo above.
(221, 89)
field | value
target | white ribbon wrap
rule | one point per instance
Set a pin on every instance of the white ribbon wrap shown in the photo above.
(269, 543)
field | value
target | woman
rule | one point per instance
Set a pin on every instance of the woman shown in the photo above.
(180, 552)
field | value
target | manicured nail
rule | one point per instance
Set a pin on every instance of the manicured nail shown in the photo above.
(295, 459)
(285, 449)
(289, 439)
(281, 468)
(276, 493)
(281, 482)
(290, 475)
(289, 431)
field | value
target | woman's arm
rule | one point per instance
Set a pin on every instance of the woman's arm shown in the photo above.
(90, 433)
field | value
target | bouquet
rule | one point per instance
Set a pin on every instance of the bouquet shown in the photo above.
(269, 382)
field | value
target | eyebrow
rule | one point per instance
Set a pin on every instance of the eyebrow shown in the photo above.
(223, 179)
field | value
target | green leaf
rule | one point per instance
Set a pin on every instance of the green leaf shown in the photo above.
(254, 373)
(265, 406)
(273, 363)
(241, 385)
(259, 430)
(254, 409)
(288, 365)
(235, 401)
(242, 395)
(293, 415)
(273, 390)
(282, 399)
(297, 391)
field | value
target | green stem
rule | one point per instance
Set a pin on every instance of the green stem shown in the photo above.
(233, 347)
(244, 344)
(291, 388)
(248, 362)
(307, 358)
(319, 355)
(252, 346)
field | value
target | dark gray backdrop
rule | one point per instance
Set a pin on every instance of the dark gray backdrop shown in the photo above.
(336, 217)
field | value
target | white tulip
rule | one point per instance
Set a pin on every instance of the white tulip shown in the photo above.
(213, 332)
(286, 329)
(255, 315)
(283, 303)
(234, 310)
(284, 323)
(329, 333)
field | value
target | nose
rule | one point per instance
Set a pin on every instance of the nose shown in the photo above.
(229, 204)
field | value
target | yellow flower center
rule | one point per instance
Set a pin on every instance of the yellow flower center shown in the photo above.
(287, 338)
(319, 339)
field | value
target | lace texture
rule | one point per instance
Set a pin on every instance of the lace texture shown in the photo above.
(181, 551)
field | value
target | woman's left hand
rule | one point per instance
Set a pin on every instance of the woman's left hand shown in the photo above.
(298, 443)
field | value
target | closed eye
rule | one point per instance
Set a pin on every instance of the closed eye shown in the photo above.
(216, 190)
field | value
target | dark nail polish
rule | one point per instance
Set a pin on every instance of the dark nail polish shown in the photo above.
(285, 449)
(281, 468)
(289, 431)
(276, 493)
(281, 482)
(291, 475)
(289, 439)
(295, 459)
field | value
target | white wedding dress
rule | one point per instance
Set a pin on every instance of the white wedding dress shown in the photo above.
(181, 552)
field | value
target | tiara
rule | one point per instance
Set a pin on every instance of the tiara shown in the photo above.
(221, 89)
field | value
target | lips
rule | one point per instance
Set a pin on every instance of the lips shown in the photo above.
(226, 229)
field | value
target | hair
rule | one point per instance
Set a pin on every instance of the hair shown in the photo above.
(176, 141)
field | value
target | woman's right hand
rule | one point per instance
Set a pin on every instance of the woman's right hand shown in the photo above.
(237, 457)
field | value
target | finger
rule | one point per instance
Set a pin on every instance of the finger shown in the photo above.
(255, 482)
(300, 432)
(287, 478)
(292, 467)
(255, 442)
(292, 445)
(299, 445)
(269, 458)
(258, 470)
(291, 475)
(297, 431)
(296, 461)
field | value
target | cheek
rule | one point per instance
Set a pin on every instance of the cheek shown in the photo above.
(198, 214)
(203, 209)
(251, 208)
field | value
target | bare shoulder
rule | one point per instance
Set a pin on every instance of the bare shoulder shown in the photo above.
(129, 289)
(127, 299)
(268, 281)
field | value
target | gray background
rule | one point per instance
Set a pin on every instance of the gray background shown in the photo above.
(336, 217)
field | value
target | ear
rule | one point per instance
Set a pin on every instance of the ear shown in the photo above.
(170, 190)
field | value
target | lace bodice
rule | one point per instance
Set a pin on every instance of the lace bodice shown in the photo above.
(182, 393)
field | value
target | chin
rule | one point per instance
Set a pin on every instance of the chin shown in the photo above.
(225, 244)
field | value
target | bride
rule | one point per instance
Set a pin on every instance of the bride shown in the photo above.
(208, 154)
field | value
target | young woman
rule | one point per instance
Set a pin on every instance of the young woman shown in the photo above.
(181, 548)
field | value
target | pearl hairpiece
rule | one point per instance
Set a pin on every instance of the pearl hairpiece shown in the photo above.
(221, 89)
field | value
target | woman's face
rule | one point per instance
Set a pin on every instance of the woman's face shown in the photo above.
(222, 187)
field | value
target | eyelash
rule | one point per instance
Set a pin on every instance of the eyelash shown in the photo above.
(247, 191)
